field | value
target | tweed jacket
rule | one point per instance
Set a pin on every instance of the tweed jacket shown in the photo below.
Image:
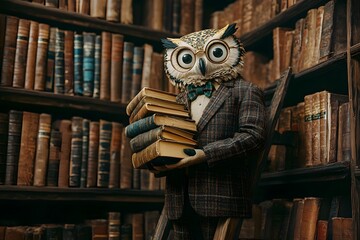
(231, 128)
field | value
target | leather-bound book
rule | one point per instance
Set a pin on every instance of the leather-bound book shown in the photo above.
(31, 55)
(52, 3)
(309, 53)
(315, 129)
(136, 179)
(113, 10)
(98, 8)
(116, 67)
(99, 229)
(41, 57)
(158, 14)
(347, 229)
(97, 66)
(154, 182)
(297, 44)
(53, 231)
(78, 64)
(13, 146)
(321, 230)
(69, 232)
(309, 218)
(337, 228)
(115, 148)
(319, 23)
(71, 5)
(4, 127)
(137, 69)
(21, 53)
(54, 159)
(198, 21)
(298, 219)
(126, 15)
(125, 163)
(146, 71)
(323, 98)
(176, 15)
(63, 4)
(42, 150)
(168, 16)
(38, 233)
(88, 64)
(327, 31)
(76, 152)
(65, 130)
(187, 16)
(93, 154)
(339, 36)
(104, 153)
(137, 226)
(69, 62)
(105, 72)
(8, 57)
(84, 7)
(50, 67)
(127, 70)
(29, 132)
(344, 134)
(2, 38)
(15, 233)
(289, 39)
(144, 179)
(59, 72)
(279, 53)
(114, 225)
(85, 152)
(157, 70)
(308, 130)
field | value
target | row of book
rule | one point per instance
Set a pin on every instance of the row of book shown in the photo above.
(315, 39)
(36, 150)
(300, 218)
(160, 129)
(322, 127)
(39, 57)
(249, 14)
(139, 226)
(111, 10)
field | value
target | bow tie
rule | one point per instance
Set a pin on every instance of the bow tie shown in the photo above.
(194, 91)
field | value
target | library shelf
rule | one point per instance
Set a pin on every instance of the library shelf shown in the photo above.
(39, 101)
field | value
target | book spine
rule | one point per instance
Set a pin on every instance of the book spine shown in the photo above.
(167, 19)
(146, 155)
(30, 125)
(65, 130)
(4, 127)
(71, 5)
(41, 55)
(97, 69)
(138, 127)
(308, 130)
(104, 154)
(63, 4)
(145, 79)
(113, 10)
(319, 23)
(116, 67)
(78, 64)
(51, 61)
(54, 159)
(84, 7)
(13, 146)
(136, 179)
(59, 78)
(31, 55)
(321, 230)
(115, 148)
(114, 225)
(69, 62)
(157, 69)
(21, 53)
(344, 114)
(125, 163)
(127, 72)
(315, 129)
(105, 71)
(42, 150)
(143, 140)
(52, 3)
(126, 15)
(198, 15)
(176, 16)
(98, 8)
(347, 228)
(187, 16)
(327, 29)
(297, 44)
(157, 18)
(144, 179)
(93, 154)
(8, 59)
(85, 152)
(323, 116)
(137, 71)
(309, 218)
(337, 228)
(88, 64)
(76, 152)
(310, 45)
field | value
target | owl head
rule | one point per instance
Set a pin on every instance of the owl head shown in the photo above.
(207, 55)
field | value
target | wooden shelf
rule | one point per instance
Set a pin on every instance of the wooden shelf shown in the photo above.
(39, 101)
(75, 21)
(20, 193)
(325, 173)
(284, 19)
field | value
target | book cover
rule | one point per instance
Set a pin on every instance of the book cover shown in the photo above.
(21, 53)
(76, 151)
(31, 56)
(52, 175)
(116, 67)
(137, 69)
(125, 163)
(104, 153)
(115, 148)
(127, 70)
(59, 73)
(97, 66)
(65, 130)
(105, 72)
(98, 8)
(93, 154)
(41, 57)
(113, 10)
(78, 64)
(69, 63)
(146, 71)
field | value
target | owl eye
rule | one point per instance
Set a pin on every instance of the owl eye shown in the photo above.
(186, 59)
(217, 52)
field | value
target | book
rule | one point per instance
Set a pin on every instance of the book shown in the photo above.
(42, 150)
(8, 58)
(65, 130)
(52, 175)
(125, 163)
(113, 10)
(175, 24)
(105, 72)
(4, 127)
(319, 23)
(143, 140)
(49, 84)
(149, 92)
(88, 63)
(198, 15)
(187, 16)
(160, 152)
(104, 153)
(76, 151)
(116, 67)
(41, 56)
(69, 62)
(309, 218)
(93, 154)
(279, 55)
(126, 15)
(156, 120)
(309, 50)
(59, 71)
(297, 44)
(321, 230)
(137, 69)
(344, 134)
(315, 129)
(127, 70)
(85, 152)
(84, 7)
(114, 225)
(115, 148)
(308, 130)
(31, 56)
(98, 8)
(97, 67)
(52, 3)
(99, 229)
(21, 53)
(78, 64)
(157, 71)
(146, 70)
(29, 132)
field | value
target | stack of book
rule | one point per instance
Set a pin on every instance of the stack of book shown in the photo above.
(160, 128)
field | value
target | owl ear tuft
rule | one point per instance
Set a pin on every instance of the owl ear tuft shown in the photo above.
(230, 30)
(168, 44)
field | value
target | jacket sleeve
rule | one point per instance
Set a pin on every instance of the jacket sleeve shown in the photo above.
(251, 131)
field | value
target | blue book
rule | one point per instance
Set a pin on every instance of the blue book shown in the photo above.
(59, 62)
(78, 64)
(97, 70)
(88, 64)
(49, 83)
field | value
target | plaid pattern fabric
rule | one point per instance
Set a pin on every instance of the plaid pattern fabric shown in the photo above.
(194, 91)
(230, 130)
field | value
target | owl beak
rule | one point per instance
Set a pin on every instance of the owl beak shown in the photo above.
(202, 66)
